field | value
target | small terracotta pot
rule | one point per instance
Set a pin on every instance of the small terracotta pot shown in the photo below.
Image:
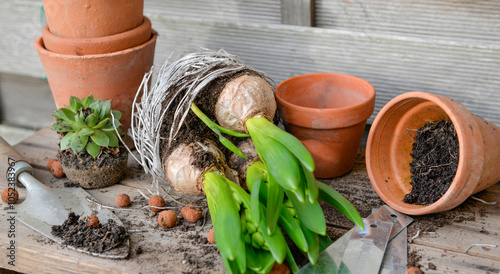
(389, 146)
(98, 45)
(92, 18)
(116, 76)
(327, 112)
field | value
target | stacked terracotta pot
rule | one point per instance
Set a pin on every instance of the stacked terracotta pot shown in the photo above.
(99, 47)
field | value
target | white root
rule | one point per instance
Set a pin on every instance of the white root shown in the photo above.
(177, 85)
(244, 97)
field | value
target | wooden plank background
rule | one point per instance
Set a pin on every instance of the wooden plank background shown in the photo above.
(445, 47)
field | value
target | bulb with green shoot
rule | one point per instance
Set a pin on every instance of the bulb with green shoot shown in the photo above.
(87, 124)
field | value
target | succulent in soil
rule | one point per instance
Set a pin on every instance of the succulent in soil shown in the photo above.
(88, 124)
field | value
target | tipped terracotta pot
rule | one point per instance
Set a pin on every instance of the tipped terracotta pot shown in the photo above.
(389, 146)
(92, 18)
(327, 112)
(98, 45)
(116, 76)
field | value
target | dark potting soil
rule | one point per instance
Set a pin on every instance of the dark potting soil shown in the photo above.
(435, 161)
(75, 232)
(84, 161)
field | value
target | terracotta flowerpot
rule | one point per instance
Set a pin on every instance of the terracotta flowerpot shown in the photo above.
(92, 18)
(98, 45)
(327, 112)
(389, 146)
(116, 76)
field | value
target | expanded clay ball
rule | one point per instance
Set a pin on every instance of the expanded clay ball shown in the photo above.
(191, 214)
(55, 168)
(92, 221)
(280, 269)
(414, 270)
(10, 195)
(211, 236)
(167, 219)
(157, 201)
(122, 200)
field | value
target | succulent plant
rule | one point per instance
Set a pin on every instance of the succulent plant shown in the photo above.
(87, 123)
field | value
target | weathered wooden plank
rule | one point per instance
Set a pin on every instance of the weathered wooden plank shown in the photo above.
(25, 101)
(459, 20)
(436, 260)
(297, 12)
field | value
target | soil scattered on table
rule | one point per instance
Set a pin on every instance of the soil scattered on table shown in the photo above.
(75, 232)
(435, 161)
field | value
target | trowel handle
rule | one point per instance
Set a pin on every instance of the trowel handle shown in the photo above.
(8, 159)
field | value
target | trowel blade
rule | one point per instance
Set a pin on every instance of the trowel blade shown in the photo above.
(45, 207)
(330, 259)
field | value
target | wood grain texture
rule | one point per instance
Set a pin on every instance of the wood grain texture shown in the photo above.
(297, 12)
(441, 251)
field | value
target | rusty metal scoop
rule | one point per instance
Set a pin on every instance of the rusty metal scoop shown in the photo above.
(45, 206)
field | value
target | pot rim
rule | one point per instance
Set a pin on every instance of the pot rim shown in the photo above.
(114, 40)
(458, 188)
(40, 47)
(356, 113)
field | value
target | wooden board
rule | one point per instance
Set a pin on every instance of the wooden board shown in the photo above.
(184, 248)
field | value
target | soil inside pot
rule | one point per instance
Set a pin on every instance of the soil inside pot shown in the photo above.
(75, 232)
(84, 161)
(435, 161)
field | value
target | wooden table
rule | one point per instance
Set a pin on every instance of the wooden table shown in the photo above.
(438, 248)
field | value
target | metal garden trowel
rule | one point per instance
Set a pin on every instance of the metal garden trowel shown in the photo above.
(45, 206)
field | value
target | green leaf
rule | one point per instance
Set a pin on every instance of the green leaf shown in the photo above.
(91, 120)
(61, 127)
(116, 114)
(76, 143)
(275, 241)
(226, 219)
(312, 243)
(79, 121)
(253, 261)
(279, 161)
(86, 131)
(335, 199)
(311, 187)
(88, 101)
(266, 259)
(287, 140)
(311, 215)
(275, 197)
(100, 138)
(214, 127)
(113, 140)
(93, 149)
(75, 103)
(65, 114)
(66, 141)
(292, 228)
(291, 261)
(105, 108)
(254, 200)
(84, 140)
(101, 124)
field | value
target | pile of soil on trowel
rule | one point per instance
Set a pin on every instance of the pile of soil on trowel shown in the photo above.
(435, 160)
(75, 232)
